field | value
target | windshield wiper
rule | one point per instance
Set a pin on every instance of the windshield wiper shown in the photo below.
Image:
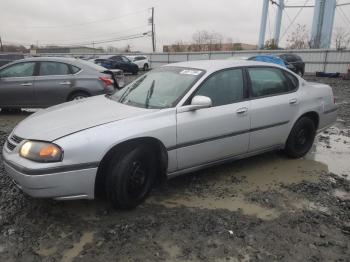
(127, 92)
(150, 93)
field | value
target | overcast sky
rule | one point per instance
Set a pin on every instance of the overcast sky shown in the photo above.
(66, 22)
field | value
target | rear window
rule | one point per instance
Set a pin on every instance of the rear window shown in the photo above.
(75, 69)
(92, 65)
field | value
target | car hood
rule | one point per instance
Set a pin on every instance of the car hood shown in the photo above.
(64, 119)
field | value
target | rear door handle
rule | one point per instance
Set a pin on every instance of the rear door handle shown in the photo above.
(26, 84)
(241, 111)
(65, 83)
(293, 101)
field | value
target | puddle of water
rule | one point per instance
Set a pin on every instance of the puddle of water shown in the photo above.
(308, 205)
(271, 170)
(46, 252)
(232, 204)
(334, 150)
(70, 254)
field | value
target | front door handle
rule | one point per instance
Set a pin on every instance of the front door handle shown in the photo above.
(65, 83)
(241, 111)
(26, 84)
(293, 101)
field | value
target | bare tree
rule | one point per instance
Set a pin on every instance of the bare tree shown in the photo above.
(271, 44)
(341, 38)
(299, 38)
(206, 41)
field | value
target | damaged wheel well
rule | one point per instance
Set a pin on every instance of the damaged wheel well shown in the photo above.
(156, 146)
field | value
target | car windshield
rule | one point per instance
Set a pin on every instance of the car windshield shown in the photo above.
(160, 88)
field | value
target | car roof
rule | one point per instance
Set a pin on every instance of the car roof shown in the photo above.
(50, 58)
(215, 65)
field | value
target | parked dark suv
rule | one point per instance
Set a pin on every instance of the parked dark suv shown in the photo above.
(117, 62)
(296, 61)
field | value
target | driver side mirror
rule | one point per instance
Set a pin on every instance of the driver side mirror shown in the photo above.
(198, 102)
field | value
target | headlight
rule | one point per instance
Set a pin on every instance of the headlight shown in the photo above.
(41, 151)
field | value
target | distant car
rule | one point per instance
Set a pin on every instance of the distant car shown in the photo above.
(296, 61)
(8, 58)
(117, 62)
(42, 82)
(272, 59)
(176, 119)
(141, 61)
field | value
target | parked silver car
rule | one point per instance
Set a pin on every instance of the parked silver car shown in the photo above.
(47, 81)
(173, 120)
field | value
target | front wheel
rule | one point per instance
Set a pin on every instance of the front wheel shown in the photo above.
(145, 67)
(301, 138)
(130, 177)
(78, 96)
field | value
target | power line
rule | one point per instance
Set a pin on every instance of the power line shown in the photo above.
(116, 34)
(345, 16)
(295, 17)
(87, 23)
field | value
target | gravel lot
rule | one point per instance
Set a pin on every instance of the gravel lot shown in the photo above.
(265, 208)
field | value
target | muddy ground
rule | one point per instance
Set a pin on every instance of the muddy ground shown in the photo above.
(265, 208)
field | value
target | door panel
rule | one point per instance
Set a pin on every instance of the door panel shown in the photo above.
(53, 84)
(220, 131)
(212, 134)
(274, 105)
(17, 85)
(271, 120)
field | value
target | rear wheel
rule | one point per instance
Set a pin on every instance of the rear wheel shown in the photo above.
(130, 177)
(78, 96)
(301, 138)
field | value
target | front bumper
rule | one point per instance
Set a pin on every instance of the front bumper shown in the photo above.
(75, 184)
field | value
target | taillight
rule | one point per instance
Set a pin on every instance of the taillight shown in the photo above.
(107, 81)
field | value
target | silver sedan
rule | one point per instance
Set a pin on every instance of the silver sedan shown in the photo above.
(173, 120)
(47, 81)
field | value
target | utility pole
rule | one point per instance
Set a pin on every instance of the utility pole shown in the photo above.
(153, 32)
(322, 24)
(263, 24)
(2, 48)
(280, 8)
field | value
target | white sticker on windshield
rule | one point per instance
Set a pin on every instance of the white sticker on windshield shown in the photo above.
(191, 72)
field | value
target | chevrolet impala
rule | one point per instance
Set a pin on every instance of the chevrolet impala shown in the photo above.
(175, 119)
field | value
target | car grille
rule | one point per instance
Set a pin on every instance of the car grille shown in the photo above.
(13, 142)
(16, 139)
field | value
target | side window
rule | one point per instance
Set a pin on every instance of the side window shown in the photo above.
(268, 81)
(225, 87)
(75, 69)
(18, 70)
(294, 82)
(53, 68)
(125, 59)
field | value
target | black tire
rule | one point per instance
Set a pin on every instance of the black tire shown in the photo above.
(135, 72)
(145, 67)
(130, 177)
(78, 96)
(301, 138)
